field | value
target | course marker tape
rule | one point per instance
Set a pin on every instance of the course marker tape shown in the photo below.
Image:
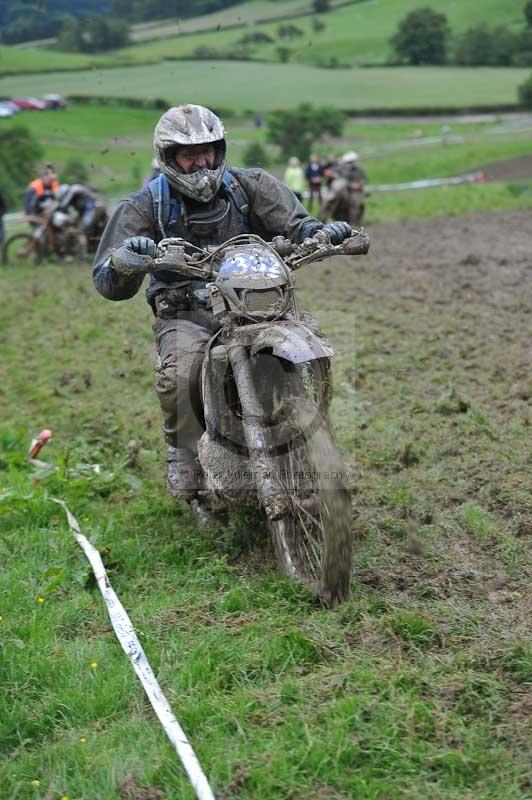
(131, 646)
(472, 177)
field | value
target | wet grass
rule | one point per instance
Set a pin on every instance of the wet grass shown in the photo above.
(115, 145)
(415, 687)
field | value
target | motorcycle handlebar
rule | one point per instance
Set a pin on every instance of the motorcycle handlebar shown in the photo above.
(171, 254)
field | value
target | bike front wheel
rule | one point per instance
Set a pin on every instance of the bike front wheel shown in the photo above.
(21, 248)
(314, 541)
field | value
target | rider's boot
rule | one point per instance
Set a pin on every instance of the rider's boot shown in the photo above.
(183, 475)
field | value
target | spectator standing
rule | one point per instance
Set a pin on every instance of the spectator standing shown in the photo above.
(314, 176)
(329, 169)
(294, 177)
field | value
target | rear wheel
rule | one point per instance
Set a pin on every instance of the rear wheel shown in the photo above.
(21, 248)
(313, 541)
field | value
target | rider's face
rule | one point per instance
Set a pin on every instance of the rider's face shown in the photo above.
(48, 178)
(195, 157)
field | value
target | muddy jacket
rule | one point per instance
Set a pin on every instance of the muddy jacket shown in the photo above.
(352, 173)
(273, 210)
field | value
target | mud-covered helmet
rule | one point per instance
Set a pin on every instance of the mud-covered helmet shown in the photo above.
(188, 125)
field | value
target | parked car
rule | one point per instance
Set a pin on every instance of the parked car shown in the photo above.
(55, 101)
(10, 105)
(29, 103)
(5, 110)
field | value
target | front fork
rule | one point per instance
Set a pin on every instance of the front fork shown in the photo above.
(269, 491)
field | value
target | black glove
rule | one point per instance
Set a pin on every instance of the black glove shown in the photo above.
(142, 245)
(337, 231)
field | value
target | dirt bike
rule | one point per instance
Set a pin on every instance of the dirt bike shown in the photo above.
(55, 234)
(346, 200)
(265, 394)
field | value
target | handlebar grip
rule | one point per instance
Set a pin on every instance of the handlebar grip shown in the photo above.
(357, 245)
(126, 262)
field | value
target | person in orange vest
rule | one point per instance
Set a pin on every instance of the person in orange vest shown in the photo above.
(39, 191)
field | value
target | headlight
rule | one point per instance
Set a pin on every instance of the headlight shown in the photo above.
(264, 303)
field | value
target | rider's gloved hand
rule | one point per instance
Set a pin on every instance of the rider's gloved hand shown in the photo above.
(337, 231)
(142, 245)
(130, 258)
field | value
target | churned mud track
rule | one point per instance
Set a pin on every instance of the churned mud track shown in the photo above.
(434, 411)
(443, 394)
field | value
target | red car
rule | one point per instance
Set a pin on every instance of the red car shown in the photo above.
(29, 103)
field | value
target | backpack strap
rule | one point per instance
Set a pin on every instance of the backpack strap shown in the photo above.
(237, 196)
(166, 209)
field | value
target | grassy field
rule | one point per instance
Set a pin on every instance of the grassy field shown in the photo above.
(114, 143)
(416, 688)
(263, 87)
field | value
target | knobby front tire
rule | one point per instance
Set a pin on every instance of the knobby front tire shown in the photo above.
(21, 248)
(314, 541)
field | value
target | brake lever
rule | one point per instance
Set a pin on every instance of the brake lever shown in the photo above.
(315, 249)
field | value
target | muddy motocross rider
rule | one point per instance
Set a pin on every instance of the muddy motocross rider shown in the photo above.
(347, 191)
(197, 198)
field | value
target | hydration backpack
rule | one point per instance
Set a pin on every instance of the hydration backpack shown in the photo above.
(167, 209)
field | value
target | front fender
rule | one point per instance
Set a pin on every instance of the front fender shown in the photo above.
(292, 340)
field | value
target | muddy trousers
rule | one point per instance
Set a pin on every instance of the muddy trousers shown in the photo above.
(180, 346)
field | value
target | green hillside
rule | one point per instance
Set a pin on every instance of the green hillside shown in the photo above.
(267, 86)
(354, 34)
(14, 60)
(247, 13)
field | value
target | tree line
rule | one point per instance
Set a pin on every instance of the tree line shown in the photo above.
(91, 25)
(424, 37)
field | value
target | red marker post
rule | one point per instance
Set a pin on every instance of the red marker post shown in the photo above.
(38, 443)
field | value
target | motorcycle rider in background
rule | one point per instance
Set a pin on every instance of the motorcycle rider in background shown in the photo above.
(87, 210)
(198, 199)
(347, 199)
(39, 192)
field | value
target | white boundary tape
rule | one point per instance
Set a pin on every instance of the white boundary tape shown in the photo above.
(472, 177)
(132, 648)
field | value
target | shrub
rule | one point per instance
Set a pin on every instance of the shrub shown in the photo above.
(256, 155)
(527, 11)
(318, 25)
(422, 37)
(485, 46)
(93, 35)
(19, 154)
(524, 92)
(259, 37)
(289, 31)
(523, 49)
(203, 52)
(295, 131)
(74, 171)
